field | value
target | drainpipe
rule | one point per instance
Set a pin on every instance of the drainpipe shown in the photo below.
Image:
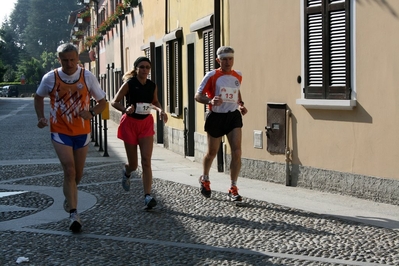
(98, 46)
(121, 45)
(166, 16)
(287, 149)
(216, 45)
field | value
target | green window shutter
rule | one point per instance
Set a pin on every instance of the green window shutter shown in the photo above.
(177, 77)
(149, 52)
(339, 75)
(327, 49)
(209, 55)
(168, 85)
(314, 53)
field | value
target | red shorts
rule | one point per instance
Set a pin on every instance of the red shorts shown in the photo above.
(130, 129)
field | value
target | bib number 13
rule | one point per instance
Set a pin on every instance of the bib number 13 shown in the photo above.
(143, 108)
(229, 95)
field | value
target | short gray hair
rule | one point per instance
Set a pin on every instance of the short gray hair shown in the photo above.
(225, 50)
(66, 47)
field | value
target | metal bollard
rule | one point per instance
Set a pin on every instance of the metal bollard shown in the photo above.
(105, 139)
(100, 133)
(92, 122)
(95, 131)
(105, 117)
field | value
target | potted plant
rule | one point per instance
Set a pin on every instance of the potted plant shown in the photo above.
(119, 11)
(98, 38)
(131, 3)
(89, 41)
(86, 15)
(126, 9)
(113, 19)
(79, 34)
(103, 27)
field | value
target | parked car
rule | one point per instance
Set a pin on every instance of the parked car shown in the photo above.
(11, 90)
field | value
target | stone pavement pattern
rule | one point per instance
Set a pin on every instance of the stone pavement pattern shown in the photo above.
(184, 229)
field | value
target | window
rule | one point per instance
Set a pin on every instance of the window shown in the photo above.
(173, 77)
(209, 55)
(149, 52)
(102, 15)
(112, 5)
(117, 81)
(327, 55)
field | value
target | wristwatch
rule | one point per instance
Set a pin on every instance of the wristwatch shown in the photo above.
(92, 113)
(241, 103)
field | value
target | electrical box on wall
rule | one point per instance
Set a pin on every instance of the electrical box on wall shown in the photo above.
(258, 139)
(276, 127)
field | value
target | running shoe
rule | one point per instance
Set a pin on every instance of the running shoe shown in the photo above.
(233, 194)
(66, 206)
(205, 187)
(149, 201)
(125, 181)
(75, 224)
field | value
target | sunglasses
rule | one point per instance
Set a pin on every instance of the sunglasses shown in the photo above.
(143, 66)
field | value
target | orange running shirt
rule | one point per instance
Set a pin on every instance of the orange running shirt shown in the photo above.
(67, 101)
(224, 85)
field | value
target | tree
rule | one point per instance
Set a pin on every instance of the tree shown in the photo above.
(2, 71)
(49, 60)
(18, 20)
(47, 25)
(32, 70)
(9, 74)
(33, 27)
(9, 50)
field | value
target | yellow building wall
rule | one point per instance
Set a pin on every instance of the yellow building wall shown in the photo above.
(268, 52)
(154, 20)
(133, 37)
(181, 14)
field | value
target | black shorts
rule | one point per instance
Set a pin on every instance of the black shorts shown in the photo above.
(219, 124)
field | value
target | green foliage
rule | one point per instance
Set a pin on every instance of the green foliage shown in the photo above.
(79, 33)
(119, 9)
(10, 83)
(2, 70)
(132, 3)
(86, 13)
(9, 75)
(47, 25)
(18, 20)
(34, 27)
(9, 51)
(49, 60)
(32, 70)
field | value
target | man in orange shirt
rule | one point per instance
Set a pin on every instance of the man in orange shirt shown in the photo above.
(70, 88)
(220, 89)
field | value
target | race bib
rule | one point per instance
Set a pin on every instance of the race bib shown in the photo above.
(143, 108)
(229, 95)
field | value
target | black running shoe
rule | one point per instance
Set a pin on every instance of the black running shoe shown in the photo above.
(205, 187)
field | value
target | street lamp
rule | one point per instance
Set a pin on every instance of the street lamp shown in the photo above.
(80, 20)
(76, 28)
